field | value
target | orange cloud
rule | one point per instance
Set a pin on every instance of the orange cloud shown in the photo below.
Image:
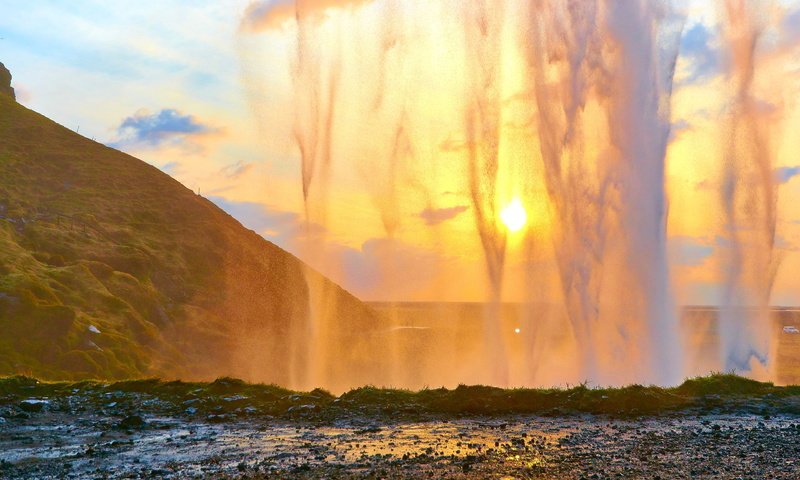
(269, 14)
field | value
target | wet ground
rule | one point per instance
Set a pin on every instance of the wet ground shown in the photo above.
(721, 426)
(513, 446)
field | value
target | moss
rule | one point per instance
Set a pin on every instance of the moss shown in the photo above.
(79, 361)
(52, 321)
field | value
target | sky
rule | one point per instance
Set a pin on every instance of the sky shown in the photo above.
(203, 90)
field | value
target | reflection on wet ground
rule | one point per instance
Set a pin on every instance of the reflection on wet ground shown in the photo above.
(513, 446)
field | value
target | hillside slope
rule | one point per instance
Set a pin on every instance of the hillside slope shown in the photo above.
(110, 268)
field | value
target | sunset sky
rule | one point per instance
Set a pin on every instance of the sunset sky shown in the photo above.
(205, 93)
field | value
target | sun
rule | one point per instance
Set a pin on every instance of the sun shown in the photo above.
(514, 215)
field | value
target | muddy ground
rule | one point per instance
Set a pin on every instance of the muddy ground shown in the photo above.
(228, 429)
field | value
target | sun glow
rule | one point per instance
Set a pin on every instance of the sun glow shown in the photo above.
(514, 215)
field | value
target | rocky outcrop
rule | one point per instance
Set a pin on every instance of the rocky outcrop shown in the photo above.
(5, 82)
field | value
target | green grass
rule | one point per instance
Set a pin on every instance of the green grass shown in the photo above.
(633, 399)
(718, 392)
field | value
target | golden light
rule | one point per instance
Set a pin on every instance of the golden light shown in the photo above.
(514, 216)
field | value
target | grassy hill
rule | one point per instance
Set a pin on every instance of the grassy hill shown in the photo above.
(110, 268)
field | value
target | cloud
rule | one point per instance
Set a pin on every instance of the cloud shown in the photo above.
(678, 127)
(386, 268)
(265, 15)
(435, 216)
(382, 268)
(696, 46)
(689, 251)
(22, 93)
(790, 27)
(236, 169)
(781, 176)
(784, 174)
(783, 243)
(269, 14)
(280, 227)
(166, 127)
(170, 167)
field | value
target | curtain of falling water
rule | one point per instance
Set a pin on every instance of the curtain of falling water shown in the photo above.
(483, 29)
(371, 123)
(648, 36)
(614, 54)
(620, 57)
(560, 40)
(598, 78)
(315, 73)
(749, 200)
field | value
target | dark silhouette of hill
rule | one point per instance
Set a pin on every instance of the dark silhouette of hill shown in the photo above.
(111, 269)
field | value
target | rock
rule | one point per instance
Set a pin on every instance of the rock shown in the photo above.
(303, 408)
(217, 418)
(130, 422)
(235, 398)
(5, 82)
(90, 344)
(191, 411)
(369, 429)
(32, 405)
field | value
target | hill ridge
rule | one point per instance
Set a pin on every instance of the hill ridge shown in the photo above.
(84, 243)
